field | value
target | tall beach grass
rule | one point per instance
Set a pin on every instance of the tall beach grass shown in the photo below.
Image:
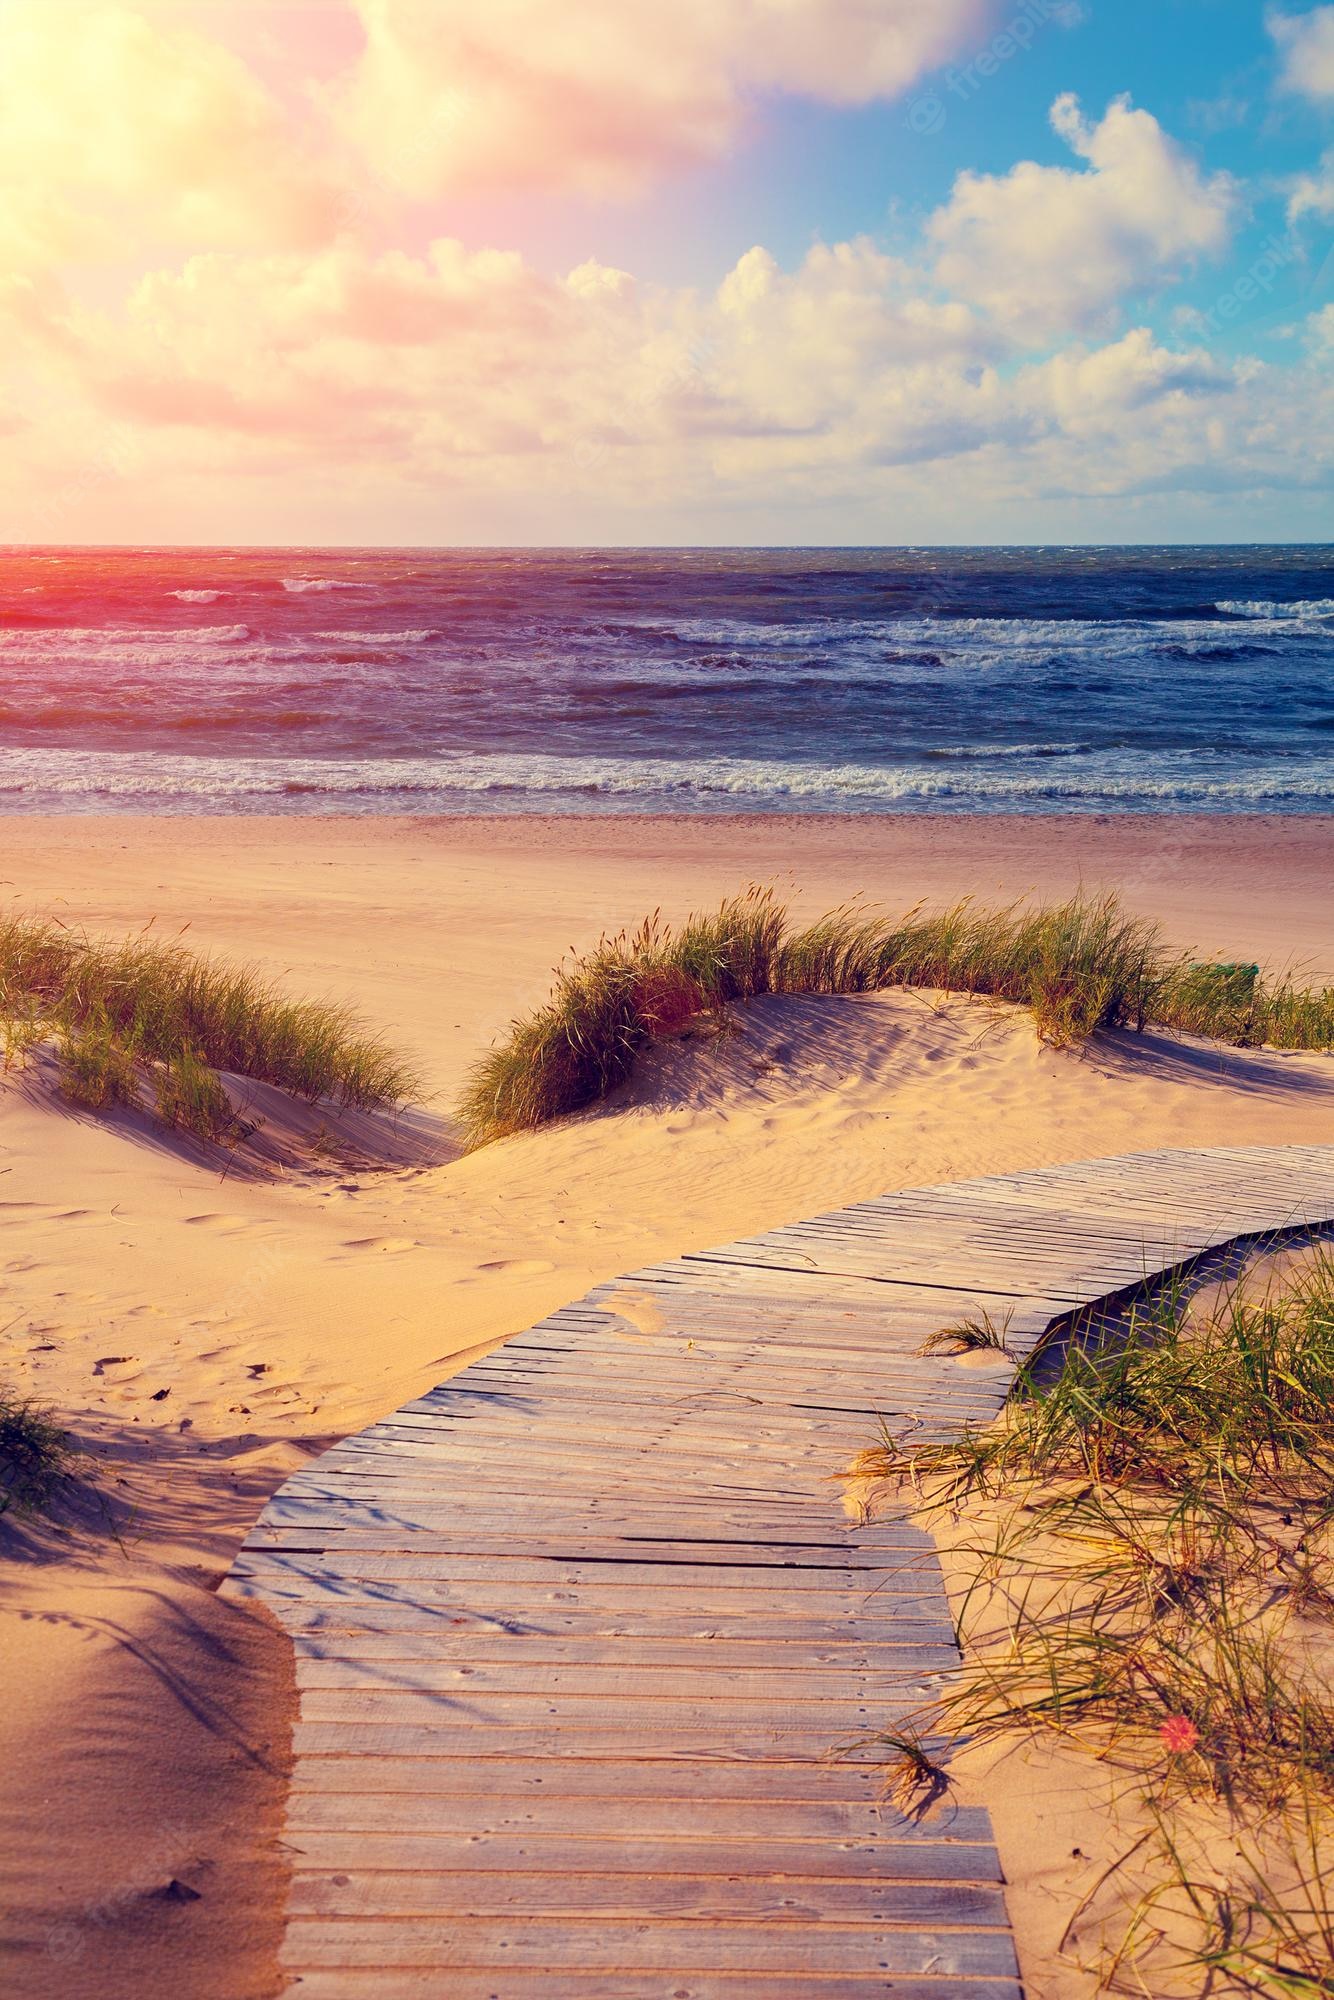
(1080, 966)
(117, 1009)
(1147, 1565)
(37, 1456)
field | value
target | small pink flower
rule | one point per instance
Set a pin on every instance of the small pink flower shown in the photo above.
(1179, 1734)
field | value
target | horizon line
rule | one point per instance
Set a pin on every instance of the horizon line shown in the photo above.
(627, 548)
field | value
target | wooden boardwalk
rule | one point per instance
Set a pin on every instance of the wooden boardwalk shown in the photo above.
(577, 1632)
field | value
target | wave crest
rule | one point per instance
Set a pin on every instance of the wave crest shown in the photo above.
(1269, 607)
(84, 780)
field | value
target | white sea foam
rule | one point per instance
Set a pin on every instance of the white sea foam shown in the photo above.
(93, 780)
(987, 752)
(196, 596)
(887, 646)
(1266, 607)
(113, 641)
(405, 638)
(299, 585)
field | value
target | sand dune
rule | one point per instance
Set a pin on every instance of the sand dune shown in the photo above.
(203, 1329)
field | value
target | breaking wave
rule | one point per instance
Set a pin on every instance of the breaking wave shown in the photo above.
(65, 780)
(1266, 607)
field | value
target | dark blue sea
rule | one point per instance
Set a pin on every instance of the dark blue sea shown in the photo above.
(680, 681)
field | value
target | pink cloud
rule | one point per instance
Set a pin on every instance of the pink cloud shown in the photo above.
(603, 95)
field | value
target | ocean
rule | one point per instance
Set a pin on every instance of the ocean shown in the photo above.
(676, 681)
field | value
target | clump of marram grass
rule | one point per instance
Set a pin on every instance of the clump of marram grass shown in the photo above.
(975, 1333)
(113, 1005)
(191, 1098)
(1233, 1003)
(37, 1456)
(1157, 1585)
(1081, 967)
(96, 1066)
(1214, 1411)
(22, 1029)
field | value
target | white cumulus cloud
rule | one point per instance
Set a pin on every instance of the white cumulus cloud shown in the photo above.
(1047, 250)
(1313, 193)
(471, 373)
(1306, 44)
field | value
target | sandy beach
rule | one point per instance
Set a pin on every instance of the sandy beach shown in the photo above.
(204, 1330)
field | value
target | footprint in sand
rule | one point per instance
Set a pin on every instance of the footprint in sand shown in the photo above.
(387, 1244)
(638, 1311)
(221, 1223)
(519, 1267)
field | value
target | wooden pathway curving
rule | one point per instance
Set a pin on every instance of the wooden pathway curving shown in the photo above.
(577, 1632)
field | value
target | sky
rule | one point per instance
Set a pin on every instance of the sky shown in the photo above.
(666, 271)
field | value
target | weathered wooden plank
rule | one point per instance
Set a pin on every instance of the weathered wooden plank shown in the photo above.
(814, 1440)
(784, 1335)
(995, 1259)
(667, 1885)
(906, 1847)
(618, 1680)
(764, 1706)
(984, 1289)
(696, 1372)
(475, 1394)
(712, 1513)
(326, 1568)
(668, 1736)
(956, 1396)
(399, 1485)
(405, 1983)
(383, 1783)
(600, 1623)
(401, 1482)
(882, 1371)
(604, 1516)
(597, 1946)
(418, 1450)
(765, 1439)
(674, 1449)
(849, 1561)
(493, 1414)
(626, 1653)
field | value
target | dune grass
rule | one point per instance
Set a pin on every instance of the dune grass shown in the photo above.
(190, 1097)
(975, 1333)
(37, 1457)
(119, 1009)
(1206, 1412)
(1081, 966)
(97, 1065)
(1155, 1581)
